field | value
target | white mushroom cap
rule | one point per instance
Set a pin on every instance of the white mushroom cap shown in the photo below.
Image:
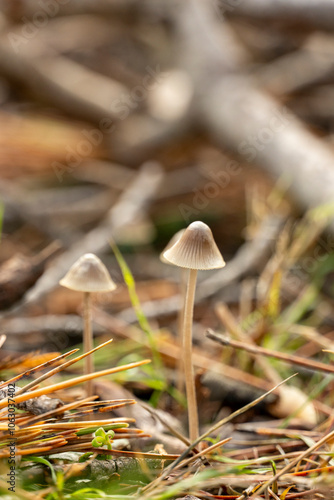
(195, 249)
(88, 274)
(171, 242)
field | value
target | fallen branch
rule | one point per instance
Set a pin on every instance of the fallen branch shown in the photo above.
(314, 13)
(313, 365)
(239, 116)
(60, 81)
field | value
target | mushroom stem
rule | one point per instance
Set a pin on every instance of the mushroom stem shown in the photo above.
(187, 352)
(88, 341)
(180, 321)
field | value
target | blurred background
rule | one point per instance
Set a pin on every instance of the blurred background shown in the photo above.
(129, 120)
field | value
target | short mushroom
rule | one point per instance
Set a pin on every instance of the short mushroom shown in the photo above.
(195, 250)
(88, 274)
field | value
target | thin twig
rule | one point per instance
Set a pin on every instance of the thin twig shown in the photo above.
(254, 349)
(288, 467)
(212, 429)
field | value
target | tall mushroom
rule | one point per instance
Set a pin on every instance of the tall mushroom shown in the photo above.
(88, 274)
(195, 250)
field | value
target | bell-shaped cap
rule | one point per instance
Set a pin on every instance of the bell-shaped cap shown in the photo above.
(195, 249)
(171, 242)
(88, 274)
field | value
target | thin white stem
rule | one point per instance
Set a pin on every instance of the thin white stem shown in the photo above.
(187, 353)
(180, 321)
(88, 341)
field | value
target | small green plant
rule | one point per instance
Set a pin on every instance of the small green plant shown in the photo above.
(131, 285)
(157, 369)
(103, 438)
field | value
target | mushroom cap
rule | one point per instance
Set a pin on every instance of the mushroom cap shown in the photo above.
(195, 249)
(88, 274)
(171, 242)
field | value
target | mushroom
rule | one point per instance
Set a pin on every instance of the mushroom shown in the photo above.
(194, 250)
(171, 243)
(88, 274)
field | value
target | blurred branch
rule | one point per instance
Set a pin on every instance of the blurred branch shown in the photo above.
(318, 13)
(309, 364)
(19, 273)
(60, 81)
(75, 7)
(239, 116)
(36, 332)
(312, 63)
